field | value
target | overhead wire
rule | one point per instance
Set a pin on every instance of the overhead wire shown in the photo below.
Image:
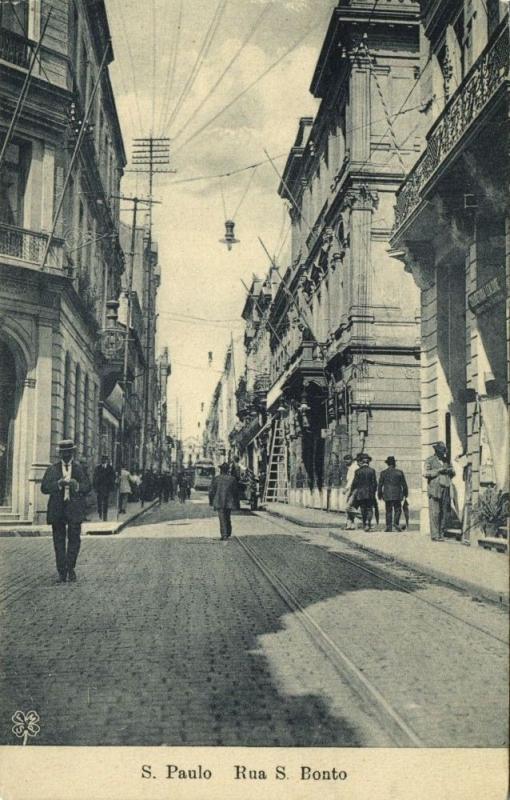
(154, 53)
(120, 15)
(234, 58)
(250, 86)
(201, 56)
(172, 65)
(25, 33)
(227, 174)
(246, 190)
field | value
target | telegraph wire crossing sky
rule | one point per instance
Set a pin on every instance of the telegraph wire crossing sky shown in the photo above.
(226, 81)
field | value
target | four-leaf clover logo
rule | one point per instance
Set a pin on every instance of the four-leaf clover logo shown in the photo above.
(25, 725)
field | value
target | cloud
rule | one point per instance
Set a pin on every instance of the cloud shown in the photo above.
(199, 276)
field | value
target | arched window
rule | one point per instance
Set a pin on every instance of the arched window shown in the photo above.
(86, 416)
(77, 406)
(66, 424)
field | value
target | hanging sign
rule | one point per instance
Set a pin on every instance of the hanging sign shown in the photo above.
(112, 342)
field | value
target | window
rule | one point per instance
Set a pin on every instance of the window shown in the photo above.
(77, 408)
(67, 398)
(85, 437)
(13, 178)
(495, 12)
(14, 16)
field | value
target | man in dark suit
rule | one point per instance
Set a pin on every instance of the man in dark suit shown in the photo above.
(224, 496)
(364, 488)
(103, 483)
(67, 483)
(393, 490)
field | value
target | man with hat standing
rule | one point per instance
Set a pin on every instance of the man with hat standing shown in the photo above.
(393, 490)
(439, 473)
(103, 483)
(67, 483)
(364, 488)
(224, 496)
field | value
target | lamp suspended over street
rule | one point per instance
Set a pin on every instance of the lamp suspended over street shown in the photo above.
(230, 238)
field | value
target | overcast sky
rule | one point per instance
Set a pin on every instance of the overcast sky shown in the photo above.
(199, 276)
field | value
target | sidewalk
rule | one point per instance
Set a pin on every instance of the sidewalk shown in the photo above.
(93, 527)
(472, 569)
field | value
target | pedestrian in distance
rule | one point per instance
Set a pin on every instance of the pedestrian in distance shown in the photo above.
(392, 488)
(67, 485)
(439, 473)
(224, 497)
(351, 502)
(103, 482)
(166, 482)
(364, 488)
(182, 487)
(124, 489)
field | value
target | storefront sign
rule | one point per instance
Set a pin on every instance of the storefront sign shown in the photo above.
(486, 297)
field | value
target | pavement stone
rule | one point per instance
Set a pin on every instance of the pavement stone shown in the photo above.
(483, 573)
(170, 637)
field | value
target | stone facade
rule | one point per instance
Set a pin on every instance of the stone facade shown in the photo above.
(344, 320)
(458, 188)
(52, 308)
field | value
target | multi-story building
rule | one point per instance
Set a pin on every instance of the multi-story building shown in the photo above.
(452, 232)
(251, 436)
(344, 320)
(52, 304)
(221, 423)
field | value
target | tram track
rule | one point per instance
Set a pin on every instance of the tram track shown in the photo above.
(376, 704)
(401, 587)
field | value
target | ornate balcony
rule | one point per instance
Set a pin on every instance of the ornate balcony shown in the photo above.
(487, 75)
(14, 48)
(28, 246)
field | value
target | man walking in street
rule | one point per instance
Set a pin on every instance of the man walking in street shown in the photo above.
(66, 483)
(439, 473)
(364, 488)
(124, 489)
(393, 490)
(103, 483)
(351, 467)
(224, 496)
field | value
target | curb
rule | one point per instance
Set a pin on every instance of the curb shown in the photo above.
(474, 589)
(33, 533)
(450, 580)
(125, 522)
(329, 524)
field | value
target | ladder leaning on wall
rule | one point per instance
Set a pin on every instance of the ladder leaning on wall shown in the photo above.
(276, 489)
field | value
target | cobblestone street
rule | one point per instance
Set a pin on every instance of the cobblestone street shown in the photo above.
(277, 637)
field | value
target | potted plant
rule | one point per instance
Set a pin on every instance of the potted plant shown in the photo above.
(491, 511)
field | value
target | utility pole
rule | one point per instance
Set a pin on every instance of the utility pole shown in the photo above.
(151, 156)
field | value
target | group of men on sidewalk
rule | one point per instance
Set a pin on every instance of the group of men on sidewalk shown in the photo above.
(363, 490)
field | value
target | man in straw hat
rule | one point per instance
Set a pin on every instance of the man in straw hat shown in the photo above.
(67, 483)
(439, 473)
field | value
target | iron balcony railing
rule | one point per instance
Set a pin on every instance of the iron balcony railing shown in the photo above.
(29, 246)
(481, 83)
(14, 48)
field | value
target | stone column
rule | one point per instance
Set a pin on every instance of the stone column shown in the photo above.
(43, 411)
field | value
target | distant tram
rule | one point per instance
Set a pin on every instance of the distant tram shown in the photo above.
(204, 473)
